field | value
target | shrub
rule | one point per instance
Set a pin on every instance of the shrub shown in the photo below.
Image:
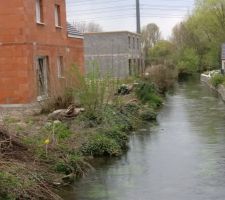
(60, 101)
(92, 91)
(148, 114)
(101, 145)
(217, 79)
(147, 93)
(188, 61)
(119, 136)
(73, 162)
(163, 76)
(123, 117)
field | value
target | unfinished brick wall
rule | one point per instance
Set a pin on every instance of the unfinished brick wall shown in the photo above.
(22, 40)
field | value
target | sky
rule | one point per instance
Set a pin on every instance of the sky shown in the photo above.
(117, 15)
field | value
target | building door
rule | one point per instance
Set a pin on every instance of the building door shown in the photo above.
(42, 76)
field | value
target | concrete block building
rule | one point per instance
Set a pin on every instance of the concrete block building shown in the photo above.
(117, 54)
(36, 46)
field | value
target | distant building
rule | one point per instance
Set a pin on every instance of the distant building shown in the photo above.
(223, 57)
(115, 53)
(36, 46)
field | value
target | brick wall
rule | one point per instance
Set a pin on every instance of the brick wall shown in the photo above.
(22, 40)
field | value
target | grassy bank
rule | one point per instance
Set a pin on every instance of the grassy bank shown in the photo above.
(39, 155)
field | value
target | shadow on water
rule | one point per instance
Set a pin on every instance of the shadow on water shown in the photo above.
(182, 158)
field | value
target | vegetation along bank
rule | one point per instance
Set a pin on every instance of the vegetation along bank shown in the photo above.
(41, 153)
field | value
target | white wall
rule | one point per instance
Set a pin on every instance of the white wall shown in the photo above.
(223, 64)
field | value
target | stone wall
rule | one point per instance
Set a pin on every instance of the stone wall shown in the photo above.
(220, 89)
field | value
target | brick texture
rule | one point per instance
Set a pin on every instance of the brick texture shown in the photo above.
(22, 40)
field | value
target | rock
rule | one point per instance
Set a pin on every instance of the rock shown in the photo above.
(70, 113)
(57, 122)
(68, 179)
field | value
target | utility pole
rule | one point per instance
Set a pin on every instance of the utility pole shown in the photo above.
(138, 17)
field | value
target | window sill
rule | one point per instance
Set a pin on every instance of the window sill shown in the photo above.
(40, 23)
(61, 77)
(58, 27)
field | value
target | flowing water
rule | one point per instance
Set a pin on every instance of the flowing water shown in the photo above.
(182, 158)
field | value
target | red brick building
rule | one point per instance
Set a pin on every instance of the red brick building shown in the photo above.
(36, 45)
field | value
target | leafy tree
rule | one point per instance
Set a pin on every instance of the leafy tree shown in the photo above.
(150, 36)
(161, 53)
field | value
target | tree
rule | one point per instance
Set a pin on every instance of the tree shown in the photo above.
(90, 27)
(161, 53)
(150, 36)
(199, 37)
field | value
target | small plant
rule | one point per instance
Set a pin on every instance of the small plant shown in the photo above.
(101, 145)
(148, 114)
(217, 80)
(147, 93)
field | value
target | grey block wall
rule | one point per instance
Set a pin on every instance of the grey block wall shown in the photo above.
(110, 52)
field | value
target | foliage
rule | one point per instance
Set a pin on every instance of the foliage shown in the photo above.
(148, 114)
(161, 53)
(101, 145)
(147, 93)
(163, 76)
(60, 101)
(150, 36)
(188, 62)
(93, 91)
(217, 80)
(198, 39)
(74, 163)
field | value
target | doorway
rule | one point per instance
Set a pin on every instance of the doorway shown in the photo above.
(42, 77)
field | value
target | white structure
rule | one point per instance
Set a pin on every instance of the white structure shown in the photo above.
(223, 57)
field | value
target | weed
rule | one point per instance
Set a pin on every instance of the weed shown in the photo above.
(101, 145)
(147, 93)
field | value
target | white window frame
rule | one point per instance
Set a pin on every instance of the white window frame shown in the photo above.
(60, 67)
(223, 64)
(39, 12)
(57, 16)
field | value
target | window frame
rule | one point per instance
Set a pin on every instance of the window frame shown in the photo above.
(39, 11)
(57, 14)
(60, 67)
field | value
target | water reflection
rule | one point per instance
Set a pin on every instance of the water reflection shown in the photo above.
(183, 158)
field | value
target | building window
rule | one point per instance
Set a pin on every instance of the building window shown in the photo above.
(138, 45)
(42, 76)
(134, 43)
(57, 16)
(39, 11)
(129, 41)
(60, 67)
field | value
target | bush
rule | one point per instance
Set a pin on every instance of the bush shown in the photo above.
(101, 145)
(59, 101)
(119, 136)
(93, 91)
(148, 115)
(163, 76)
(217, 79)
(188, 61)
(147, 93)
(72, 163)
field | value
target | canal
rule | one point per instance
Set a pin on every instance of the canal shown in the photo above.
(180, 158)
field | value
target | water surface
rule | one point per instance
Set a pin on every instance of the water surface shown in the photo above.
(182, 158)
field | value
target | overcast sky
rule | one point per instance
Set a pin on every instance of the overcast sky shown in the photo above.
(115, 15)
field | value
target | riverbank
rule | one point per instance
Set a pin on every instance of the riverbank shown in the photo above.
(220, 88)
(40, 155)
